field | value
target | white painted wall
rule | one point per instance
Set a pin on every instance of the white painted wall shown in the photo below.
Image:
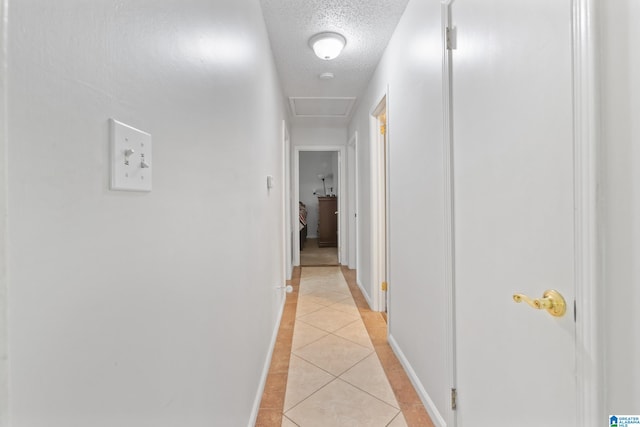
(4, 383)
(313, 163)
(621, 205)
(320, 135)
(141, 309)
(412, 69)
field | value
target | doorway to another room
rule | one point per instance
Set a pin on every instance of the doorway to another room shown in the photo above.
(318, 190)
(318, 205)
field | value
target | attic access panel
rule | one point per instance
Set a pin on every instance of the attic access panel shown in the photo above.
(338, 107)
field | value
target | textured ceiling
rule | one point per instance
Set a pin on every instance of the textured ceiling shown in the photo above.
(366, 24)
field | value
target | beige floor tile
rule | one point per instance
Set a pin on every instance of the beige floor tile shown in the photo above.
(304, 379)
(341, 404)
(369, 376)
(398, 421)
(329, 340)
(304, 291)
(325, 298)
(333, 354)
(306, 306)
(286, 422)
(355, 332)
(329, 283)
(347, 305)
(328, 319)
(304, 334)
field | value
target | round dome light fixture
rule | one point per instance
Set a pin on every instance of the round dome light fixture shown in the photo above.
(326, 76)
(327, 45)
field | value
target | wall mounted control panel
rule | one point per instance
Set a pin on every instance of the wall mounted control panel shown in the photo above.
(130, 158)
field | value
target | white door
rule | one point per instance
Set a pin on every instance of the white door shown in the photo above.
(514, 219)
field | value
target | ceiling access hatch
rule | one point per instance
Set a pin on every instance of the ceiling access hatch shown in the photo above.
(338, 107)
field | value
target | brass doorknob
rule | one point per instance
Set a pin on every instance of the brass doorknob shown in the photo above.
(551, 300)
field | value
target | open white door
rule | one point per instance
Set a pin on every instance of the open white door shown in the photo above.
(514, 211)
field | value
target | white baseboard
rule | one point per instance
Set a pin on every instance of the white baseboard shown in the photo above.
(437, 419)
(265, 369)
(364, 294)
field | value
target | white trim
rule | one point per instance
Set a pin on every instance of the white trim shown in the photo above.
(429, 405)
(265, 369)
(589, 366)
(353, 214)
(287, 249)
(379, 254)
(341, 149)
(449, 208)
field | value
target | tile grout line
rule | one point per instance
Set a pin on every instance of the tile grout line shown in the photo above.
(370, 347)
(352, 385)
(314, 392)
(270, 416)
(341, 373)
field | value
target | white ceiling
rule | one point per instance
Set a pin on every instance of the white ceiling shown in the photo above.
(366, 24)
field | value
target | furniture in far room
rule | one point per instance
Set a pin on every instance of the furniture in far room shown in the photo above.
(303, 224)
(327, 221)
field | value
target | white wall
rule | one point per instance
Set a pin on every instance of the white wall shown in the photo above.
(412, 69)
(320, 135)
(621, 148)
(141, 309)
(313, 163)
(4, 397)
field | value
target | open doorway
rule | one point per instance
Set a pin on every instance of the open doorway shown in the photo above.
(318, 186)
(318, 205)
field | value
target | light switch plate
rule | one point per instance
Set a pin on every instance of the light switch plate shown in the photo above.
(130, 158)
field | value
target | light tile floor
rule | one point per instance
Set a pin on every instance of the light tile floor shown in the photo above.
(332, 365)
(335, 377)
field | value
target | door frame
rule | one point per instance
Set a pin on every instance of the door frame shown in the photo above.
(587, 212)
(380, 267)
(449, 211)
(352, 171)
(588, 228)
(287, 246)
(341, 150)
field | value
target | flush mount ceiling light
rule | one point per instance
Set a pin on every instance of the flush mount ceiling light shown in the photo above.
(327, 45)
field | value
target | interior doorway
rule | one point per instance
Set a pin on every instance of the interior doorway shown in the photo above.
(318, 188)
(318, 205)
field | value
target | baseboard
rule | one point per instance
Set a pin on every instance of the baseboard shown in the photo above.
(265, 369)
(437, 419)
(364, 293)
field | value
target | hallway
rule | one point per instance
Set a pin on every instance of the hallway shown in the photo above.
(510, 163)
(332, 365)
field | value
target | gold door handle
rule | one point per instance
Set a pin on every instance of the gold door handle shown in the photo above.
(551, 300)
